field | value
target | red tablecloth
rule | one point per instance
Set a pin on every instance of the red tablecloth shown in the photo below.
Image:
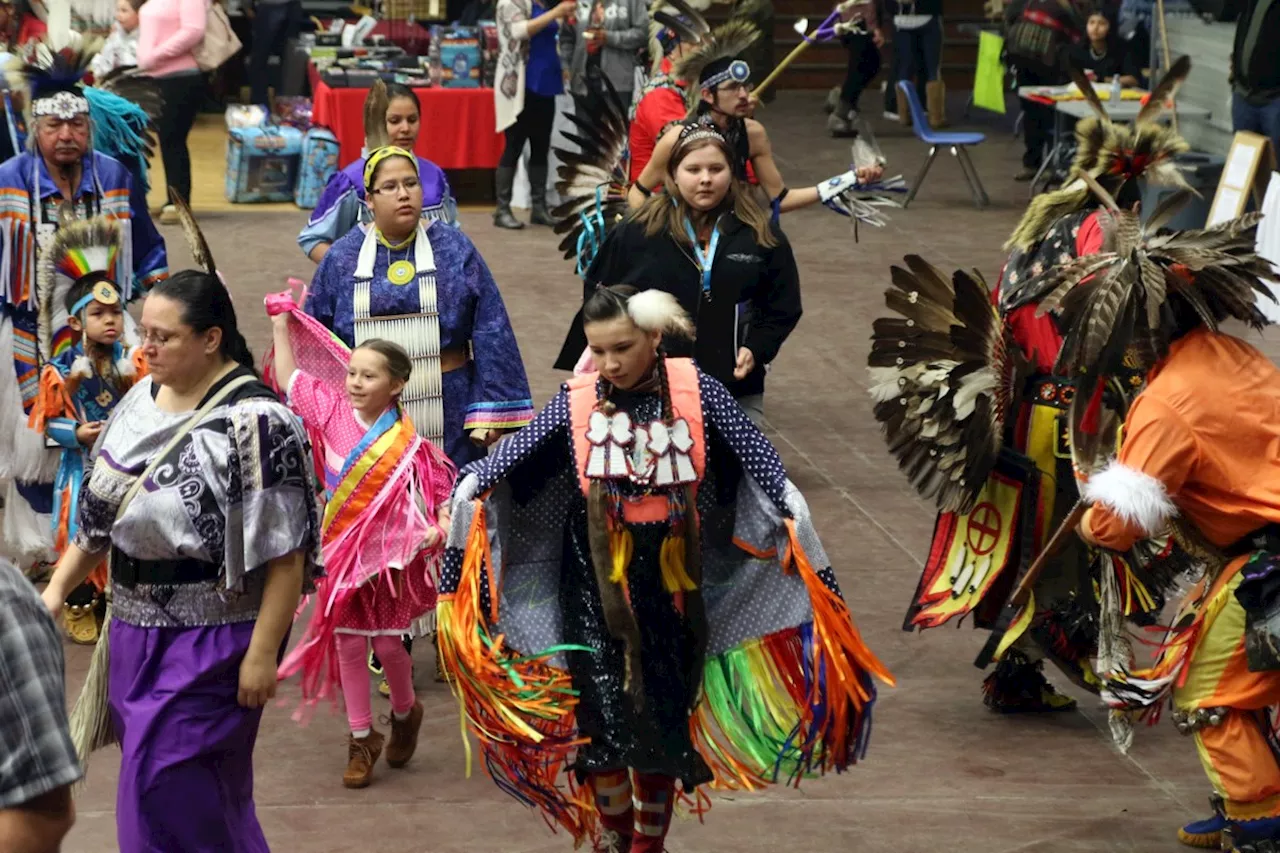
(457, 124)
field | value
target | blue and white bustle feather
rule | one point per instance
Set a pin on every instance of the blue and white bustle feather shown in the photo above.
(120, 128)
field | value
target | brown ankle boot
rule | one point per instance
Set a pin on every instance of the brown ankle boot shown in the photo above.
(362, 754)
(936, 103)
(404, 737)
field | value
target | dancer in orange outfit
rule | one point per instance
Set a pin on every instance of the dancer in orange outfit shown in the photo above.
(1200, 442)
(1200, 455)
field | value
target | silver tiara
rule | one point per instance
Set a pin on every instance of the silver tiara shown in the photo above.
(61, 105)
(699, 130)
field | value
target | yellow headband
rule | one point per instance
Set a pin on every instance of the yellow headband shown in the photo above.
(378, 155)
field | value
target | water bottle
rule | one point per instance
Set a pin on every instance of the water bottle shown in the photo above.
(1115, 90)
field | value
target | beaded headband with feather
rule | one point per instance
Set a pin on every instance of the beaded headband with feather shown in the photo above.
(725, 42)
(121, 106)
(1111, 154)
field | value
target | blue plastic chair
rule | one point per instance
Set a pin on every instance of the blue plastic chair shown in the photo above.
(957, 142)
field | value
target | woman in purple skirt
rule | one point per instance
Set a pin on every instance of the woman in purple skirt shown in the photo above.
(209, 556)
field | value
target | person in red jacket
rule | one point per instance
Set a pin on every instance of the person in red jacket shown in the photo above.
(18, 25)
(662, 100)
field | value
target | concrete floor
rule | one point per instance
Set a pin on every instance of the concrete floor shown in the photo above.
(943, 773)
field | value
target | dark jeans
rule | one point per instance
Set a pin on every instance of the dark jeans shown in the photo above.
(533, 125)
(1264, 119)
(918, 53)
(273, 25)
(1037, 120)
(183, 96)
(864, 65)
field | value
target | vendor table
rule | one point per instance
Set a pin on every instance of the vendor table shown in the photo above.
(457, 124)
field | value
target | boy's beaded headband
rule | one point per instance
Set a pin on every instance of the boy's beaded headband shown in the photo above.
(103, 292)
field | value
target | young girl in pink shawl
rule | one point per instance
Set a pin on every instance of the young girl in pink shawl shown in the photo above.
(387, 491)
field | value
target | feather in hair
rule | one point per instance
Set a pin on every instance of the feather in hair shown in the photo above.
(375, 116)
(727, 40)
(199, 247)
(1166, 89)
(1085, 85)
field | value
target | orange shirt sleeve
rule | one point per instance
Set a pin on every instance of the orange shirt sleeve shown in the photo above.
(1134, 496)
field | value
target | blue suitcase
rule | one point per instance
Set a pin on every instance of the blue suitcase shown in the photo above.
(319, 161)
(459, 57)
(262, 163)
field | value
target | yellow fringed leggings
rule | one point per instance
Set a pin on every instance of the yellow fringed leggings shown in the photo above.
(1236, 755)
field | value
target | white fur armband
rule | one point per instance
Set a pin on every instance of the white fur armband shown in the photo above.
(1135, 497)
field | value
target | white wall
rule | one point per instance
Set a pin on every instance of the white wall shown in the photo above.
(1209, 46)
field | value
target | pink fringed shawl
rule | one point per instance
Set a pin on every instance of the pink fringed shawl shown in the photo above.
(381, 534)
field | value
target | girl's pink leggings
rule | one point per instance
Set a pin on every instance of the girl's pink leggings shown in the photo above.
(353, 665)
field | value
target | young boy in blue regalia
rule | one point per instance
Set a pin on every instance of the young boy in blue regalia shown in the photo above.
(81, 385)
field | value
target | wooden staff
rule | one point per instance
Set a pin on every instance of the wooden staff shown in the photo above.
(1164, 58)
(788, 59)
(1060, 536)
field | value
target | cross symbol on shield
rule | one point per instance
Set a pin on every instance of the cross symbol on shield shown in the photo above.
(983, 530)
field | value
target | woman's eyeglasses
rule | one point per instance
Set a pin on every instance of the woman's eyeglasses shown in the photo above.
(158, 339)
(390, 187)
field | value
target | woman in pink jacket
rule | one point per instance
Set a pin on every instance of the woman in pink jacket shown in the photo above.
(169, 30)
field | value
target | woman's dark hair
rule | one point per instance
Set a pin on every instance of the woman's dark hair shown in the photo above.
(607, 303)
(400, 90)
(206, 304)
(399, 365)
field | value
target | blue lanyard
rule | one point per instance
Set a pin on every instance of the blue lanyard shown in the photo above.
(705, 259)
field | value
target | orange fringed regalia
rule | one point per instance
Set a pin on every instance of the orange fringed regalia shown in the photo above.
(74, 392)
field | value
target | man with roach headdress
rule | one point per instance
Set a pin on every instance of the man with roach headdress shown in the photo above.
(60, 178)
(996, 446)
(723, 98)
(675, 32)
(1198, 459)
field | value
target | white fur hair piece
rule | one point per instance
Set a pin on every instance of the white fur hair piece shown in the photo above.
(659, 311)
(1136, 497)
